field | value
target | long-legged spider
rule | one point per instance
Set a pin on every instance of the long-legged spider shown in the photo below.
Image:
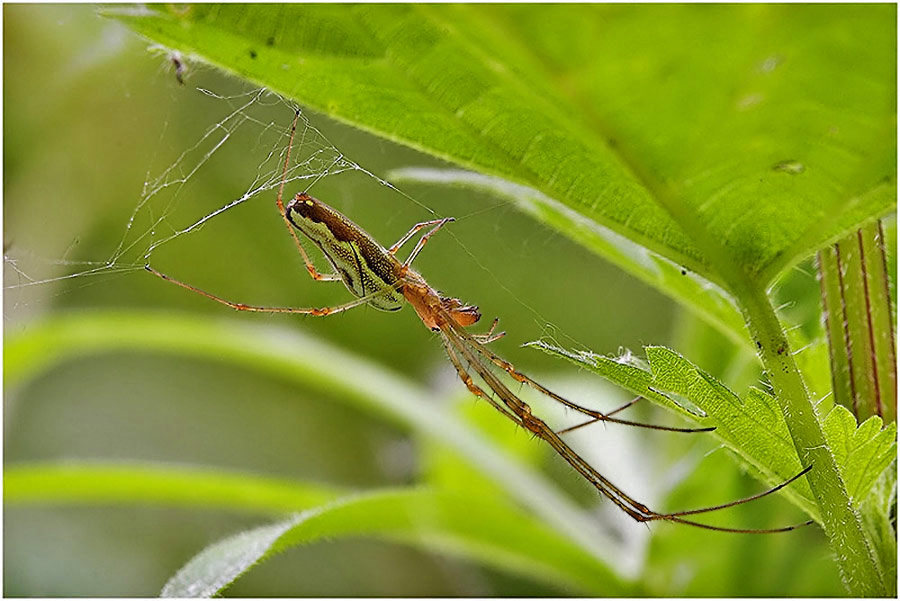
(375, 276)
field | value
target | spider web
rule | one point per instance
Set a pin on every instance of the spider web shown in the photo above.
(172, 204)
(168, 208)
(314, 158)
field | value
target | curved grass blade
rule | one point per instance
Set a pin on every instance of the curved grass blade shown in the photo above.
(494, 534)
(479, 529)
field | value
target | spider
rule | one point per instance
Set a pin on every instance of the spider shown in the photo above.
(375, 276)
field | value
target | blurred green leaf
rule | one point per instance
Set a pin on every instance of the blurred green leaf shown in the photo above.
(489, 531)
(104, 483)
(478, 528)
(444, 469)
(308, 362)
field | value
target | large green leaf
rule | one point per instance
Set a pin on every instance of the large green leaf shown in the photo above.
(450, 522)
(726, 138)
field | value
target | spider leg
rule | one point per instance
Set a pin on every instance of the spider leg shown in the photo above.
(739, 530)
(320, 312)
(313, 272)
(597, 415)
(676, 516)
(424, 239)
(520, 412)
(411, 233)
(522, 415)
(597, 419)
(739, 501)
(470, 384)
(625, 406)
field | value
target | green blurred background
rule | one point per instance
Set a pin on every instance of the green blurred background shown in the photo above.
(90, 117)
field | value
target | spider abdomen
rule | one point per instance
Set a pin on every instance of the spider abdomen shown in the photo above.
(363, 264)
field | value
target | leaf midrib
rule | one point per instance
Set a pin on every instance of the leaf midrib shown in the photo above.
(599, 132)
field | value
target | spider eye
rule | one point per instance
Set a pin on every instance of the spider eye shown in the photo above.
(301, 204)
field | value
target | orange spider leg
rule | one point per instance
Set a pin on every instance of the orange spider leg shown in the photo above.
(316, 312)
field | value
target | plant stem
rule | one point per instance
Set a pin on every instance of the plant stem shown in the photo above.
(859, 570)
(858, 319)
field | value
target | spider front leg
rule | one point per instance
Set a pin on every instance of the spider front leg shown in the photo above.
(412, 232)
(424, 239)
(437, 223)
(313, 272)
